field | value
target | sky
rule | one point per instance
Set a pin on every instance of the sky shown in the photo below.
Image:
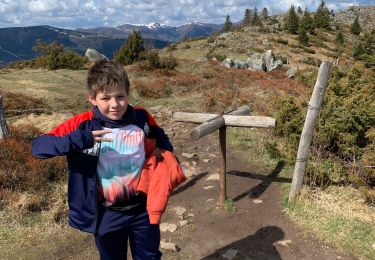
(95, 13)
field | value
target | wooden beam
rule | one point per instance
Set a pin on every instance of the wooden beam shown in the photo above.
(314, 107)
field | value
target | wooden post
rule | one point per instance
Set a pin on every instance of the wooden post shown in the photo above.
(314, 106)
(223, 163)
(4, 131)
(215, 123)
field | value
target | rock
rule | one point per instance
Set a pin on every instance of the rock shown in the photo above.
(183, 223)
(213, 177)
(291, 73)
(230, 254)
(208, 187)
(191, 215)
(284, 242)
(228, 63)
(256, 62)
(266, 43)
(185, 164)
(168, 246)
(209, 200)
(94, 55)
(164, 227)
(240, 64)
(206, 160)
(188, 155)
(188, 171)
(212, 155)
(180, 211)
(258, 201)
(195, 163)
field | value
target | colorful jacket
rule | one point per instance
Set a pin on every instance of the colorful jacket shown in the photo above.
(74, 139)
(159, 176)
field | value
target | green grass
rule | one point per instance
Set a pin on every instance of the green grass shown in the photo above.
(229, 205)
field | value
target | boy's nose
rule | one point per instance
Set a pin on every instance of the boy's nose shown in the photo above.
(114, 103)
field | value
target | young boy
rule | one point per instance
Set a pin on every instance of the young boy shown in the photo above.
(106, 150)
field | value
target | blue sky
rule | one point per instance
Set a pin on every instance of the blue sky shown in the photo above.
(94, 13)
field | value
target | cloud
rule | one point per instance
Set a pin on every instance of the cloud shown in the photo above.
(92, 13)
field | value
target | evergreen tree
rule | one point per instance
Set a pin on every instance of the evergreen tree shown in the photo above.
(299, 10)
(340, 38)
(246, 21)
(131, 50)
(303, 39)
(322, 17)
(264, 13)
(307, 22)
(228, 24)
(292, 21)
(355, 28)
(256, 19)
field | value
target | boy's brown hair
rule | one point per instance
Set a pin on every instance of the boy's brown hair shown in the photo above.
(105, 74)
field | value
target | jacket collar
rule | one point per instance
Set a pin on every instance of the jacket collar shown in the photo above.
(127, 118)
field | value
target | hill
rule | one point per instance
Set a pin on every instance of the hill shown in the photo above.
(16, 43)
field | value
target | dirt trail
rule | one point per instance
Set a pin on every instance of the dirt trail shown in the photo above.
(254, 230)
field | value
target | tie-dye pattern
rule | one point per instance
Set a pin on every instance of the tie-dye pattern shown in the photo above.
(120, 163)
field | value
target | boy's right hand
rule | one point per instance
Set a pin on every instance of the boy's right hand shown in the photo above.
(98, 136)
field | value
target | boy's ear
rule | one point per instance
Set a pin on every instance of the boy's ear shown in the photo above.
(92, 100)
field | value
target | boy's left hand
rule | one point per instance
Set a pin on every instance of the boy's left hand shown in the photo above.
(98, 136)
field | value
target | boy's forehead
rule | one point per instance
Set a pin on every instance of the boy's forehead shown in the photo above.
(112, 90)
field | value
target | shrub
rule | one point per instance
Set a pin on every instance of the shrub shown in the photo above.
(312, 61)
(308, 50)
(152, 61)
(22, 172)
(53, 56)
(279, 40)
(154, 89)
(16, 103)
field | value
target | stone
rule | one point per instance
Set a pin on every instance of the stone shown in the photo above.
(212, 155)
(183, 223)
(230, 254)
(240, 64)
(228, 63)
(291, 73)
(188, 155)
(188, 171)
(195, 163)
(208, 187)
(209, 200)
(180, 211)
(266, 43)
(284, 242)
(185, 164)
(191, 215)
(213, 177)
(94, 55)
(256, 62)
(164, 227)
(206, 160)
(258, 201)
(168, 246)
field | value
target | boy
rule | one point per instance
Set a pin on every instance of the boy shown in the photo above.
(106, 150)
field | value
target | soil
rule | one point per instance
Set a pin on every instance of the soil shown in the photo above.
(257, 229)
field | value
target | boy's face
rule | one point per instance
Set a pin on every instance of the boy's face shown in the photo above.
(112, 102)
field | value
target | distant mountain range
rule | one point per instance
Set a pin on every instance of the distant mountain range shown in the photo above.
(16, 42)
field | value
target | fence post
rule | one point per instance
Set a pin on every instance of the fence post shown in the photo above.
(314, 106)
(4, 131)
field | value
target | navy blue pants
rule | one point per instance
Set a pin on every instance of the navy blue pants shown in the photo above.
(116, 228)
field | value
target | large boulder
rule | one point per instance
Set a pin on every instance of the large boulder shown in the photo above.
(240, 64)
(271, 62)
(94, 55)
(291, 73)
(257, 62)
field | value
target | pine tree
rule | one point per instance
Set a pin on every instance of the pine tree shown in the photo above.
(246, 21)
(340, 38)
(264, 13)
(303, 39)
(292, 21)
(322, 17)
(228, 24)
(355, 28)
(307, 22)
(256, 19)
(299, 10)
(131, 50)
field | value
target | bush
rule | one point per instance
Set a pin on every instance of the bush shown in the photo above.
(155, 89)
(131, 50)
(17, 103)
(312, 61)
(53, 56)
(152, 61)
(279, 40)
(19, 170)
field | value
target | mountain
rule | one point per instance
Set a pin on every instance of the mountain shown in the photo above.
(159, 31)
(365, 14)
(16, 43)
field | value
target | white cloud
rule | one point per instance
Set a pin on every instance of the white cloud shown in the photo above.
(91, 13)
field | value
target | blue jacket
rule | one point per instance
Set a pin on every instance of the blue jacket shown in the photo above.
(74, 139)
